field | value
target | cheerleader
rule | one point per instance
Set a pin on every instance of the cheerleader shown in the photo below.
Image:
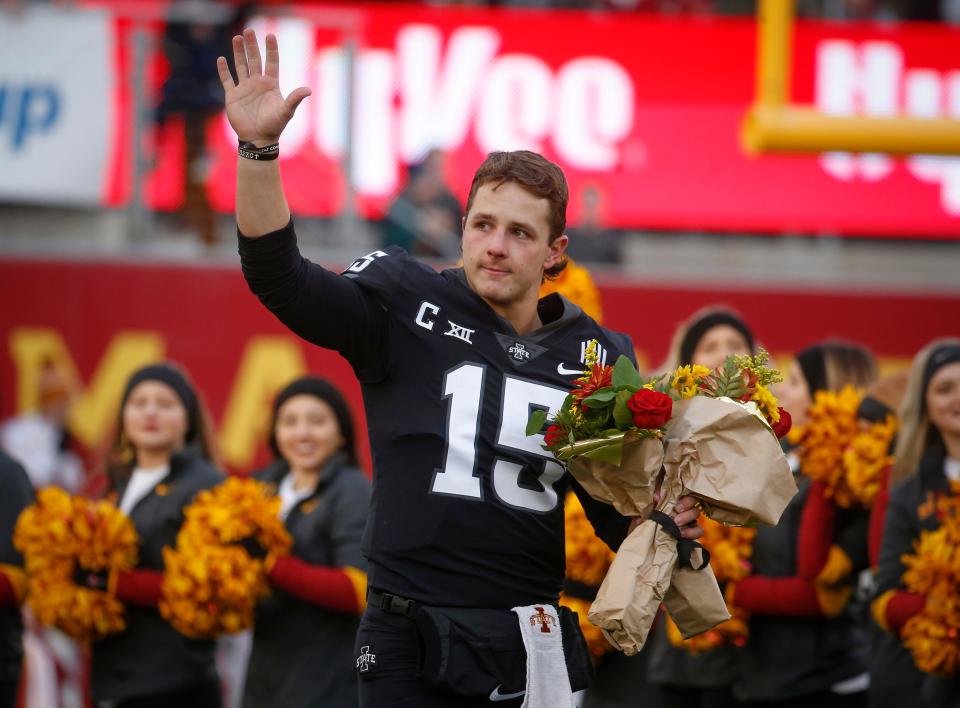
(161, 457)
(805, 645)
(926, 462)
(303, 640)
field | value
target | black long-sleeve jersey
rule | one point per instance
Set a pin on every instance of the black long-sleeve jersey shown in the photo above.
(466, 510)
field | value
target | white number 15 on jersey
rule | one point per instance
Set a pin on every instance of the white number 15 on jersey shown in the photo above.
(463, 386)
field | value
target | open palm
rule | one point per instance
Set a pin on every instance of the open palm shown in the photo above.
(256, 109)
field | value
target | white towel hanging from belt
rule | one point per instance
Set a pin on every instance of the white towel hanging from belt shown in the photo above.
(548, 685)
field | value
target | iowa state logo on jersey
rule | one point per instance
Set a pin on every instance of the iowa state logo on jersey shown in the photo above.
(518, 351)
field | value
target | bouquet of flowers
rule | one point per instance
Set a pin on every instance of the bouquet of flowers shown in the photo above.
(60, 535)
(934, 571)
(212, 583)
(715, 436)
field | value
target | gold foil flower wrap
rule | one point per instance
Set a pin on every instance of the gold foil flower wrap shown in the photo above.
(56, 535)
(211, 583)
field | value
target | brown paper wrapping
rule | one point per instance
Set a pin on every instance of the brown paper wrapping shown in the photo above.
(694, 600)
(728, 459)
(628, 487)
(716, 450)
(643, 575)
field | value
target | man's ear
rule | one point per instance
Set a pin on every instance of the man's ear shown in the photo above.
(463, 224)
(557, 249)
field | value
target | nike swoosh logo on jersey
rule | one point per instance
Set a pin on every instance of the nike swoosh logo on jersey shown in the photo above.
(495, 695)
(564, 371)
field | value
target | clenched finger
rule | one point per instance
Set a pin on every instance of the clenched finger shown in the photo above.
(691, 533)
(685, 518)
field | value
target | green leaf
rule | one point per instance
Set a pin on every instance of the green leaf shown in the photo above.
(536, 422)
(621, 413)
(601, 399)
(626, 374)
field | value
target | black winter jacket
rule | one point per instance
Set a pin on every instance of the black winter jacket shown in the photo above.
(150, 657)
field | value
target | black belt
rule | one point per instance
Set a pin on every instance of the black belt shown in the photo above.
(394, 604)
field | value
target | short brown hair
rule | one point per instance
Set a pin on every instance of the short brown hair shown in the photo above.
(537, 175)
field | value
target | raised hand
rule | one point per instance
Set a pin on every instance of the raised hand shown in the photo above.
(256, 109)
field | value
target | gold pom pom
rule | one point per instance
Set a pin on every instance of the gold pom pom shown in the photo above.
(211, 585)
(59, 533)
(934, 571)
(824, 440)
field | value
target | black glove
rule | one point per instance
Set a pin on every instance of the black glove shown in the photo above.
(91, 579)
(253, 547)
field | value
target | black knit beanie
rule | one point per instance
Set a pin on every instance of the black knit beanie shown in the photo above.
(698, 329)
(939, 357)
(329, 394)
(174, 378)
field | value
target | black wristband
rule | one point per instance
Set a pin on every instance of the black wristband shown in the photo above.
(264, 154)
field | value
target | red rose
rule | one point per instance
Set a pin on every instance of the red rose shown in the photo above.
(555, 435)
(651, 409)
(783, 427)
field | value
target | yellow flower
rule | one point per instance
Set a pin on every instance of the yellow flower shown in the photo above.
(767, 403)
(685, 382)
(590, 357)
(699, 372)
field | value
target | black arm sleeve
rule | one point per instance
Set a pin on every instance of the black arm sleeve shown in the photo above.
(322, 307)
(609, 525)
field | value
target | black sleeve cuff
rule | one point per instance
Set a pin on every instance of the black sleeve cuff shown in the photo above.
(268, 259)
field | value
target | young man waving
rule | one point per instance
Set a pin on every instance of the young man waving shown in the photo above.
(466, 520)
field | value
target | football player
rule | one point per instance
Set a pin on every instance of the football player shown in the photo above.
(466, 509)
